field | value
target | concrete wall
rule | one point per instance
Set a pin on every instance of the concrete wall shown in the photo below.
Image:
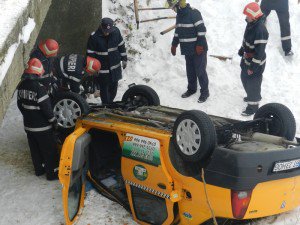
(70, 22)
(37, 10)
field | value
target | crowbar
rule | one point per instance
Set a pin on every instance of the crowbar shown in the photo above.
(223, 58)
(168, 30)
(159, 18)
(136, 12)
(160, 8)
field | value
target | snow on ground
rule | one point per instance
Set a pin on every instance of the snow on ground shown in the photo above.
(26, 199)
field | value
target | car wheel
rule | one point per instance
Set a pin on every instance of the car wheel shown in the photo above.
(141, 95)
(282, 123)
(67, 107)
(194, 136)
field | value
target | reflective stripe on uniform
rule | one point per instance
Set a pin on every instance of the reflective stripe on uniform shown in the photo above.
(74, 79)
(31, 107)
(260, 41)
(201, 33)
(101, 53)
(175, 35)
(115, 66)
(185, 25)
(51, 120)
(258, 61)
(198, 23)
(123, 54)
(90, 51)
(246, 62)
(188, 39)
(112, 49)
(38, 129)
(253, 103)
(249, 45)
(45, 76)
(104, 71)
(121, 43)
(42, 98)
(286, 38)
(62, 67)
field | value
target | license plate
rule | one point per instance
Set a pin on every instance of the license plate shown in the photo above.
(287, 165)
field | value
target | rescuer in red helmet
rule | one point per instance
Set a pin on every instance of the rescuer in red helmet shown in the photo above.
(70, 70)
(39, 121)
(45, 52)
(253, 56)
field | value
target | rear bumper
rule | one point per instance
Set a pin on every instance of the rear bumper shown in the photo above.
(244, 170)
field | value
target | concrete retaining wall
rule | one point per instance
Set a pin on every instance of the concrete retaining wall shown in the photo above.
(71, 22)
(37, 10)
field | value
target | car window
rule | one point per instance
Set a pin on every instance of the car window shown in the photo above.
(74, 196)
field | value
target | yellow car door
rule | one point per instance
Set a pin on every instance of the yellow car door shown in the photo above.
(149, 186)
(72, 173)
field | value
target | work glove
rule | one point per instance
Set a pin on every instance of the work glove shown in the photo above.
(250, 72)
(199, 50)
(241, 51)
(124, 64)
(55, 124)
(173, 50)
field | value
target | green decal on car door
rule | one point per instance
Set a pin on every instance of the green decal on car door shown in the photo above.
(141, 148)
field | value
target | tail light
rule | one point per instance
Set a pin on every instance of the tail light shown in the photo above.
(240, 201)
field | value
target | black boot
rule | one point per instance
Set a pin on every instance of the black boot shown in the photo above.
(289, 53)
(52, 176)
(203, 98)
(250, 110)
(187, 94)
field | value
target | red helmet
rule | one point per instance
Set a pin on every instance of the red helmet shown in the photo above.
(34, 66)
(253, 10)
(49, 47)
(92, 65)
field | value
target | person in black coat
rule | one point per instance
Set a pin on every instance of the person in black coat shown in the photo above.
(45, 52)
(253, 55)
(281, 8)
(39, 121)
(70, 69)
(107, 45)
(190, 34)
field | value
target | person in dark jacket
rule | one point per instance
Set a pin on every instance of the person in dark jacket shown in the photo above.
(281, 7)
(45, 52)
(107, 45)
(253, 55)
(39, 121)
(190, 34)
(70, 70)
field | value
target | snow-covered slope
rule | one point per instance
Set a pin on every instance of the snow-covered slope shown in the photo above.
(27, 200)
(225, 24)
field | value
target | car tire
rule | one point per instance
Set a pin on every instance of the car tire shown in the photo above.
(141, 95)
(283, 122)
(67, 107)
(197, 128)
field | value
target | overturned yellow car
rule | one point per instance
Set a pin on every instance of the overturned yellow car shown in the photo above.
(171, 166)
